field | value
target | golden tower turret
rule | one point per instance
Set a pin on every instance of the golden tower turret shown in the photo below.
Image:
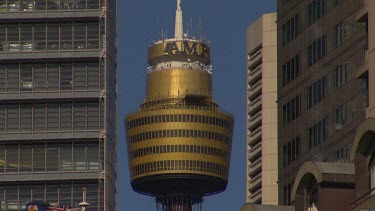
(179, 142)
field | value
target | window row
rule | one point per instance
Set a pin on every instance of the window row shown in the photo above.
(51, 77)
(15, 197)
(52, 36)
(179, 118)
(315, 10)
(50, 5)
(291, 110)
(290, 29)
(51, 117)
(344, 114)
(317, 92)
(291, 151)
(173, 165)
(318, 133)
(317, 50)
(291, 70)
(40, 157)
(179, 148)
(179, 133)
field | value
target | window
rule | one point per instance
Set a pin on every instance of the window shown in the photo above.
(26, 117)
(344, 114)
(2, 164)
(291, 70)
(26, 38)
(13, 78)
(372, 172)
(26, 78)
(290, 29)
(66, 77)
(39, 157)
(291, 151)
(344, 30)
(365, 90)
(52, 152)
(317, 50)
(40, 37)
(341, 75)
(337, 2)
(11, 158)
(287, 194)
(343, 154)
(25, 162)
(284, 2)
(315, 10)
(317, 92)
(12, 117)
(53, 117)
(291, 110)
(317, 133)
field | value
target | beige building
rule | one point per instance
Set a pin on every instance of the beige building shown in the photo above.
(262, 111)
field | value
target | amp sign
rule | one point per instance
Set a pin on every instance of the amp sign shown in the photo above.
(187, 48)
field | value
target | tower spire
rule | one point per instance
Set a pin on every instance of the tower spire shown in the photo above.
(179, 25)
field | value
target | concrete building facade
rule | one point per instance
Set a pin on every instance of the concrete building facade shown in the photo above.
(58, 102)
(325, 103)
(261, 143)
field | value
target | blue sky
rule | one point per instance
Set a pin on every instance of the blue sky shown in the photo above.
(224, 23)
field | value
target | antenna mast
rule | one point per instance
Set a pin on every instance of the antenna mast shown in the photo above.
(179, 26)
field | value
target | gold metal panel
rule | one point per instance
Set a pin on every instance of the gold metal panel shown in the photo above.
(194, 110)
(179, 125)
(179, 141)
(176, 83)
(178, 156)
(180, 172)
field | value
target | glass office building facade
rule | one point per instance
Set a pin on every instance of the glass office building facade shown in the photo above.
(58, 102)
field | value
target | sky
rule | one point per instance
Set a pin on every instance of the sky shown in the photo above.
(224, 23)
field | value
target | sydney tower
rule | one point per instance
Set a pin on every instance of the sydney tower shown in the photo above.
(179, 142)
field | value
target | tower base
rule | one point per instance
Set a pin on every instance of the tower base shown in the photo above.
(178, 202)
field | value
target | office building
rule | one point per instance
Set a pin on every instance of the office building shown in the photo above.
(179, 142)
(261, 143)
(325, 104)
(58, 102)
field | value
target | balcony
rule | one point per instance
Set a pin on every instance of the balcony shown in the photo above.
(255, 104)
(255, 135)
(255, 166)
(254, 120)
(254, 74)
(255, 58)
(256, 88)
(255, 150)
(256, 196)
(255, 182)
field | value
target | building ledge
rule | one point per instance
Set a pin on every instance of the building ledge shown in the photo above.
(261, 207)
(49, 176)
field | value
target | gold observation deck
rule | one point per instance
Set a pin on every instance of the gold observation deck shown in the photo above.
(179, 142)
